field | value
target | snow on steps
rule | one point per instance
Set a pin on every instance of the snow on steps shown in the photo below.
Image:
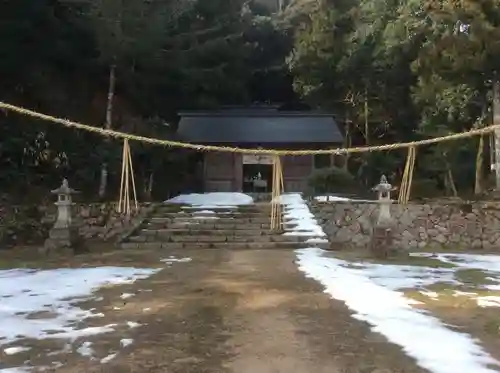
(213, 223)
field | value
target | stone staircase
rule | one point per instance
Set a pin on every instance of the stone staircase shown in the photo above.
(173, 226)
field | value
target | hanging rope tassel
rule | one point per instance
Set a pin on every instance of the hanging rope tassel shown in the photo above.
(276, 218)
(127, 177)
(405, 189)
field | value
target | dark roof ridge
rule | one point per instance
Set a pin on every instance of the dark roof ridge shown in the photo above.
(259, 128)
(253, 113)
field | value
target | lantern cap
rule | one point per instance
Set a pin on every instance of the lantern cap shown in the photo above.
(64, 189)
(383, 186)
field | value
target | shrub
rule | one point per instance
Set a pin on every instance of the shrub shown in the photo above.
(333, 180)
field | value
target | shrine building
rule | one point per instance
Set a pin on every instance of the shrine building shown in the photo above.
(259, 127)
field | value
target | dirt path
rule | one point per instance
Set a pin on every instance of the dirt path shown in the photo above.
(232, 312)
(269, 338)
(282, 322)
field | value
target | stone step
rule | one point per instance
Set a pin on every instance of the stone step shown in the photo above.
(218, 209)
(208, 219)
(162, 221)
(264, 208)
(225, 215)
(160, 212)
(208, 232)
(212, 226)
(220, 245)
(216, 238)
(167, 209)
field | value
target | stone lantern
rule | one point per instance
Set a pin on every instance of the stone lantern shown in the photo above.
(383, 190)
(382, 235)
(64, 234)
(64, 204)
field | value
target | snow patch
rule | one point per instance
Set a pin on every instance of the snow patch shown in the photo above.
(430, 294)
(370, 291)
(423, 337)
(56, 292)
(208, 200)
(173, 259)
(316, 240)
(489, 264)
(298, 217)
(15, 350)
(126, 342)
(15, 370)
(126, 295)
(488, 301)
(331, 198)
(204, 212)
(194, 208)
(469, 261)
(108, 358)
(133, 325)
(396, 277)
(85, 349)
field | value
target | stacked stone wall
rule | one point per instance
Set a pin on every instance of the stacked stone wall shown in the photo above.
(424, 226)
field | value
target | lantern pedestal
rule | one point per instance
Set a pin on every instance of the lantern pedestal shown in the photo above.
(63, 237)
(62, 240)
(381, 243)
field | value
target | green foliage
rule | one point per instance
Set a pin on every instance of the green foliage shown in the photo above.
(333, 180)
(391, 71)
(371, 166)
(425, 188)
(399, 71)
(170, 55)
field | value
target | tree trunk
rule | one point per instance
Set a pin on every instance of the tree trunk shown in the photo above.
(108, 125)
(449, 179)
(450, 183)
(149, 186)
(347, 143)
(491, 151)
(496, 134)
(479, 179)
(367, 126)
(478, 187)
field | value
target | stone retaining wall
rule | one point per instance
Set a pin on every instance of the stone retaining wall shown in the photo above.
(465, 226)
(96, 221)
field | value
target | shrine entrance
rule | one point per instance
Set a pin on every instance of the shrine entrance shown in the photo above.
(257, 173)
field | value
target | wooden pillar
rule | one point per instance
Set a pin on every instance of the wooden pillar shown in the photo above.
(237, 172)
(496, 133)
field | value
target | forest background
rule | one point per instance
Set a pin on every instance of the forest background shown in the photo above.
(390, 70)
